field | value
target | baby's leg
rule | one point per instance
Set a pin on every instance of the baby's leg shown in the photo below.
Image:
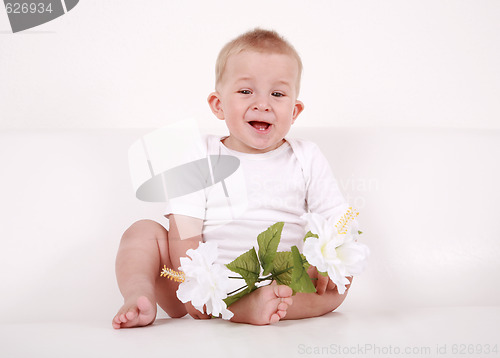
(143, 250)
(265, 305)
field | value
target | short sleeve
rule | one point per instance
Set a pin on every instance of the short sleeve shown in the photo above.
(189, 182)
(193, 204)
(323, 193)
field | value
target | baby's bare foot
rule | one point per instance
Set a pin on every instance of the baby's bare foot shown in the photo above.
(135, 313)
(265, 305)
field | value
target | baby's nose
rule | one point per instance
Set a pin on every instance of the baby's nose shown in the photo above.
(261, 106)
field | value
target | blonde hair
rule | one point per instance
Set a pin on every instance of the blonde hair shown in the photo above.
(259, 40)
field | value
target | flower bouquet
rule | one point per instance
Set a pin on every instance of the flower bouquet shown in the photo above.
(329, 245)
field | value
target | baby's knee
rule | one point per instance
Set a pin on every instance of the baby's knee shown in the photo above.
(145, 228)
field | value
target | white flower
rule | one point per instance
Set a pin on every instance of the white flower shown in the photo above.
(206, 283)
(335, 251)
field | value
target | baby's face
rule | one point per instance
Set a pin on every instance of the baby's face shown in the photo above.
(257, 98)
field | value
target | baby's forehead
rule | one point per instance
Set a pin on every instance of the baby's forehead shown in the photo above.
(280, 56)
(274, 62)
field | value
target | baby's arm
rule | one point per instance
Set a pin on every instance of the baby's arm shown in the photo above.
(185, 233)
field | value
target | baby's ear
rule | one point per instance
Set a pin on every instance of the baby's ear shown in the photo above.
(216, 105)
(297, 109)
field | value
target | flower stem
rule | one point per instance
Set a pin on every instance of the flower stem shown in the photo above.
(230, 293)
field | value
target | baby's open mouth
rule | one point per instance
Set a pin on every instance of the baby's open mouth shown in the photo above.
(261, 126)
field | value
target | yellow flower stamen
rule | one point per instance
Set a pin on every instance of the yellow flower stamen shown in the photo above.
(345, 220)
(177, 276)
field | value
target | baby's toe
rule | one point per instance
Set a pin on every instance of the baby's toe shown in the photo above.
(283, 291)
(281, 310)
(116, 322)
(282, 306)
(132, 314)
(281, 314)
(274, 318)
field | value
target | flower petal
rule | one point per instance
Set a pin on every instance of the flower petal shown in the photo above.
(206, 283)
(339, 254)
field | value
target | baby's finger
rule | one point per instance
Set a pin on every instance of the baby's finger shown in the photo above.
(312, 271)
(193, 312)
(204, 315)
(199, 315)
(322, 284)
(331, 285)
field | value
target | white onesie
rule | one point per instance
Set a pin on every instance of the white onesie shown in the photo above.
(280, 185)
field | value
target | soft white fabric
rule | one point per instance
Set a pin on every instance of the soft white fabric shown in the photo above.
(280, 185)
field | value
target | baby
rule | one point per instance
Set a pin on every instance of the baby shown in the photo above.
(257, 85)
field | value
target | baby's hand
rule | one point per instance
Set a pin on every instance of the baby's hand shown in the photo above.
(322, 283)
(193, 312)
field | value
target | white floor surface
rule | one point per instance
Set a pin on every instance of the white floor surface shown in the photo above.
(429, 332)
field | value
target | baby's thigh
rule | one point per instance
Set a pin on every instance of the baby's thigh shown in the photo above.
(150, 236)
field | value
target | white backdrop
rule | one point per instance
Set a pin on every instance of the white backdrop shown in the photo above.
(123, 63)
(76, 92)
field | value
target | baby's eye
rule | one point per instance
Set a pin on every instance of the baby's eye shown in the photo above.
(245, 91)
(277, 94)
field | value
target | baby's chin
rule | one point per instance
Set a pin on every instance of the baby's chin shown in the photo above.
(264, 148)
(252, 144)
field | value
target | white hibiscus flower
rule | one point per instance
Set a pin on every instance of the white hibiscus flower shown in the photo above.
(336, 250)
(205, 283)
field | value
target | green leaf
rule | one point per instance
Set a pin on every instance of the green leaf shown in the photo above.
(301, 282)
(310, 234)
(360, 232)
(232, 299)
(304, 262)
(268, 244)
(247, 265)
(282, 262)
